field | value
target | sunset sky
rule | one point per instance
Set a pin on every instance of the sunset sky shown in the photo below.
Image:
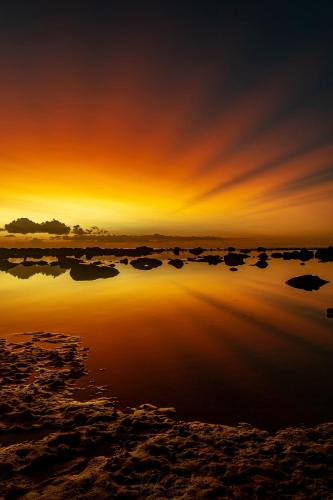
(177, 117)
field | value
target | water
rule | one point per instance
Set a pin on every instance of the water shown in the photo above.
(219, 346)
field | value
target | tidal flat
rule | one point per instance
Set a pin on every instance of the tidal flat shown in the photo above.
(172, 377)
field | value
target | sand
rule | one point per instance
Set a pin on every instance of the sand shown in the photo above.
(54, 446)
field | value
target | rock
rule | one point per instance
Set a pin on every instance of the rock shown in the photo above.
(303, 255)
(262, 264)
(145, 264)
(196, 251)
(307, 282)
(330, 312)
(178, 263)
(85, 272)
(235, 259)
(210, 259)
(325, 254)
(233, 269)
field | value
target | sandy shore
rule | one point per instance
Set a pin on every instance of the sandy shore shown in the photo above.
(56, 447)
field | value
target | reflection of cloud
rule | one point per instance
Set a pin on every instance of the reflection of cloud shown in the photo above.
(25, 272)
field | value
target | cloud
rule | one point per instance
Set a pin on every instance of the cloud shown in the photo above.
(25, 226)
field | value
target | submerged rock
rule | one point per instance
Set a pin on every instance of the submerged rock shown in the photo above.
(330, 312)
(85, 272)
(307, 282)
(145, 263)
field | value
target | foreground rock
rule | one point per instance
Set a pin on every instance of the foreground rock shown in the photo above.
(307, 282)
(55, 447)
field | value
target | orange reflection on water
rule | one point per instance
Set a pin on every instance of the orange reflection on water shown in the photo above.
(219, 346)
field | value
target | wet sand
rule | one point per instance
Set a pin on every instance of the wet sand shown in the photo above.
(55, 446)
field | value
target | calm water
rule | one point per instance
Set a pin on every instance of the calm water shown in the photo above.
(219, 346)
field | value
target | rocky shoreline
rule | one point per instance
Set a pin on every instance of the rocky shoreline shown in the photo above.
(53, 446)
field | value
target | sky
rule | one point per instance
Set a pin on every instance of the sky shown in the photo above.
(177, 117)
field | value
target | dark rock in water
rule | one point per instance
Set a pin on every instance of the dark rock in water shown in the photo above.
(330, 312)
(196, 251)
(231, 249)
(245, 250)
(85, 272)
(211, 259)
(324, 254)
(307, 282)
(145, 263)
(233, 269)
(277, 255)
(178, 263)
(124, 261)
(261, 249)
(262, 264)
(263, 256)
(303, 255)
(176, 250)
(235, 259)
(68, 262)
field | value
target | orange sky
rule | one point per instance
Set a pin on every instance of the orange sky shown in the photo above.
(135, 139)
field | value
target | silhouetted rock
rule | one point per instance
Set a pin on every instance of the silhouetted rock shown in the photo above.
(262, 264)
(233, 269)
(124, 261)
(277, 255)
(263, 256)
(196, 251)
(261, 249)
(211, 259)
(307, 282)
(145, 264)
(176, 250)
(235, 259)
(178, 263)
(68, 262)
(330, 312)
(324, 254)
(85, 272)
(231, 249)
(303, 255)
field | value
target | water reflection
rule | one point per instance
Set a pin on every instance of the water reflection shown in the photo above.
(219, 346)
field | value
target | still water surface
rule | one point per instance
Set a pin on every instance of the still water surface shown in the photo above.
(219, 346)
